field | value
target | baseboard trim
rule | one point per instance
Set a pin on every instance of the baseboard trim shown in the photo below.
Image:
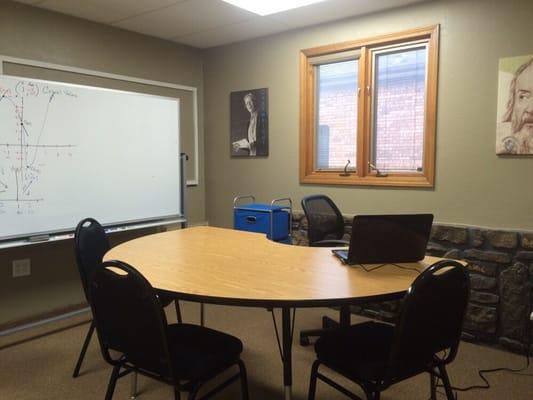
(29, 325)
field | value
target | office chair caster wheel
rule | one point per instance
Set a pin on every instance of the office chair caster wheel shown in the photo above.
(304, 341)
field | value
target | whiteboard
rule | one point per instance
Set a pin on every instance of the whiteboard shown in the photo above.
(70, 151)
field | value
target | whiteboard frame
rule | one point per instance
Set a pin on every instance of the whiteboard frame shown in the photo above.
(83, 71)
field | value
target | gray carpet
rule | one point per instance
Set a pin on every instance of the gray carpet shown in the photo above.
(41, 368)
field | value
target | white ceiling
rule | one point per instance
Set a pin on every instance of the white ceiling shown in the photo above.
(208, 23)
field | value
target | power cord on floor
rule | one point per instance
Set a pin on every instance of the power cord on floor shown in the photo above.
(481, 372)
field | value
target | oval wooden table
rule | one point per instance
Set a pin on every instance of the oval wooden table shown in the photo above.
(225, 266)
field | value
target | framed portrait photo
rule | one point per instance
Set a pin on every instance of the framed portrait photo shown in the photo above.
(514, 126)
(249, 123)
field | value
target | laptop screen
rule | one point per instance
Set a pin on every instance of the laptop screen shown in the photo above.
(389, 238)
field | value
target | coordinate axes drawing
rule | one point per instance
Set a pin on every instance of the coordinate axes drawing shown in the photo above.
(26, 145)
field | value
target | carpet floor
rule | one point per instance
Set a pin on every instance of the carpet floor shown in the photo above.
(40, 368)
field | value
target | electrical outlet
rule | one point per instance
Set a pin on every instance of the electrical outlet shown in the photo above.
(21, 267)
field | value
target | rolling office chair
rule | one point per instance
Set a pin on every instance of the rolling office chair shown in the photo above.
(325, 221)
(376, 355)
(325, 229)
(129, 320)
(91, 243)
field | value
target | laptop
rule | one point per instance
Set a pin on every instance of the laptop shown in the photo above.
(378, 239)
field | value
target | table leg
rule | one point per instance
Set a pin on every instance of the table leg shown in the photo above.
(133, 388)
(287, 351)
(345, 316)
(288, 392)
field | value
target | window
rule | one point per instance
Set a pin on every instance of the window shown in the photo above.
(367, 113)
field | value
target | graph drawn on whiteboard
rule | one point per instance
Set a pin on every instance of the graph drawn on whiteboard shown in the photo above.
(30, 141)
(70, 151)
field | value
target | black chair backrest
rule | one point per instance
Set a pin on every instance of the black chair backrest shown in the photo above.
(431, 317)
(129, 317)
(324, 218)
(91, 244)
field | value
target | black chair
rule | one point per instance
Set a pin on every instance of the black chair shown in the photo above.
(130, 320)
(325, 221)
(424, 339)
(325, 229)
(91, 243)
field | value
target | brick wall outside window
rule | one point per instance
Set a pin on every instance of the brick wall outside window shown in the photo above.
(400, 126)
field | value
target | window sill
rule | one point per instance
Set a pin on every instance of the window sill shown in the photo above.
(393, 179)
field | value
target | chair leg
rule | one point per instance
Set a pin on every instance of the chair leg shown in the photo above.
(370, 395)
(244, 380)
(312, 381)
(194, 391)
(178, 310)
(112, 382)
(177, 394)
(83, 350)
(446, 383)
(432, 386)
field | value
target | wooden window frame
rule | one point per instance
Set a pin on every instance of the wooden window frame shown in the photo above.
(363, 175)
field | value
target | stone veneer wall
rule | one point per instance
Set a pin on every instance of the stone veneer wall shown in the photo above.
(501, 277)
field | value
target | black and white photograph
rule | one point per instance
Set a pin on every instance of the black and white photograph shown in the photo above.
(249, 123)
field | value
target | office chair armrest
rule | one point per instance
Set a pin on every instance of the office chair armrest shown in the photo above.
(331, 243)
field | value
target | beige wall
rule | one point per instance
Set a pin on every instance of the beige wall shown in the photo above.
(39, 35)
(473, 186)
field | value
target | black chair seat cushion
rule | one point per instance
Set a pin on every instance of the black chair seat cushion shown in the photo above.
(198, 352)
(360, 351)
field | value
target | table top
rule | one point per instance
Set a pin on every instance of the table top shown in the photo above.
(227, 266)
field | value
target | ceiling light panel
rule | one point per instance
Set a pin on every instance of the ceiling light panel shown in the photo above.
(266, 7)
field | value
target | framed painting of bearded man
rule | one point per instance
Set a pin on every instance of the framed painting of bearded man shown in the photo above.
(514, 131)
